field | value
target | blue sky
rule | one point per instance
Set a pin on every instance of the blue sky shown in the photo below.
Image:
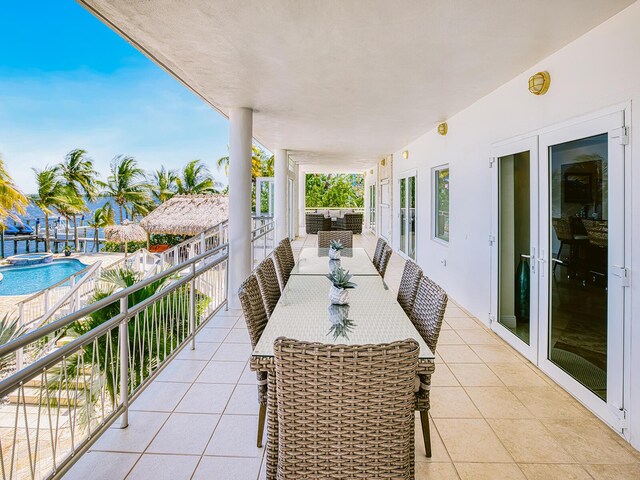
(67, 81)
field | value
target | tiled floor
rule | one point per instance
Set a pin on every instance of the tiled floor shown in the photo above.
(494, 415)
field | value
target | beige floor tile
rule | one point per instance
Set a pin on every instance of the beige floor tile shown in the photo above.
(450, 337)
(497, 402)
(182, 370)
(548, 402)
(438, 450)
(554, 472)
(160, 396)
(443, 377)
(463, 323)
(184, 434)
(205, 398)
(517, 375)
(220, 321)
(238, 335)
(221, 372)
(164, 467)
(475, 375)
(496, 354)
(614, 472)
(436, 471)
(233, 352)
(244, 401)
(235, 436)
(232, 312)
(216, 335)
(471, 440)
(203, 351)
(452, 402)
(227, 468)
(445, 326)
(478, 337)
(588, 441)
(92, 466)
(528, 441)
(455, 312)
(248, 377)
(489, 471)
(143, 427)
(458, 354)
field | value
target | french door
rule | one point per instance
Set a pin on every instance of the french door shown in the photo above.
(561, 196)
(407, 188)
(291, 208)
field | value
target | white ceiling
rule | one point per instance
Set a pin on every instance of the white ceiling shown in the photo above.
(345, 82)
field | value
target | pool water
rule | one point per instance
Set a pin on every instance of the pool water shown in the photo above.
(25, 280)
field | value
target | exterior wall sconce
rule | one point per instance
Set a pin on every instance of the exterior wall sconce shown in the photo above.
(539, 83)
(405, 154)
(443, 128)
(371, 171)
(383, 162)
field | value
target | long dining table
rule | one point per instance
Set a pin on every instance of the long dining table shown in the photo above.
(303, 312)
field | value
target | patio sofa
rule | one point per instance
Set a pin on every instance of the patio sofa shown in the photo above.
(334, 219)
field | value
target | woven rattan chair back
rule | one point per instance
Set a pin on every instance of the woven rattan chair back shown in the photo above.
(269, 286)
(345, 412)
(343, 236)
(283, 256)
(428, 311)
(411, 276)
(378, 253)
(256, 318)
(384, 260)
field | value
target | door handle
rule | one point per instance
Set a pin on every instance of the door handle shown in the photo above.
(542, 262)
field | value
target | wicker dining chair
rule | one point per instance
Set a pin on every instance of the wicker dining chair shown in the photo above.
(411, 276)
(345, 412)
(384, 260)
(269, 285)
(256, 318)
(345, 237)
(378, 253)
(427, 316)
(283, 256)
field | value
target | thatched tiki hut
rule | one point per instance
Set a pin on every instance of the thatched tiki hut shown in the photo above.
(187, 215)
(125, 233)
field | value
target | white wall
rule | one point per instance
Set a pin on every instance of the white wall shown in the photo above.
(598, 70)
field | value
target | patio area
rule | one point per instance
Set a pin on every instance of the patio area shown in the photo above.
(494, 415)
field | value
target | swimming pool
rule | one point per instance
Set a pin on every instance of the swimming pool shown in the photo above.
(24, 280)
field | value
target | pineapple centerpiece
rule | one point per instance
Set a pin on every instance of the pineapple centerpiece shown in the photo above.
(341, 283)
(334, 249)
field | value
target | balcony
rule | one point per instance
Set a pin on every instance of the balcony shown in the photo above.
(493, 414)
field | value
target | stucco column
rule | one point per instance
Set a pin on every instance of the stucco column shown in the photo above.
(296, 200)
(240, 138)
(302, 198)
(281, 170)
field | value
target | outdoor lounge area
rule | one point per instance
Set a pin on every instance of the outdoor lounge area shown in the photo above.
(493, 415)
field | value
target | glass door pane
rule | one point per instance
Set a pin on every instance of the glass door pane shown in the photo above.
(411, 219)
(403, 215)
(579, 241)
(514, 256)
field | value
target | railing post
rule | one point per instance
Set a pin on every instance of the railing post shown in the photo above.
(47, 295)
(203, 243)
(192, 306)
(72, 284)
(123, 335)
(226, 281)
(20, 352)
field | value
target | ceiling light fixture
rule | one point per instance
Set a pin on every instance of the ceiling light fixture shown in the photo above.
(539, 83)
(405, 154)
(443, 128)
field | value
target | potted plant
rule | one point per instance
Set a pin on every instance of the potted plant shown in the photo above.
(341, 325)
(334, 249)
(340, 285)
(67, 251)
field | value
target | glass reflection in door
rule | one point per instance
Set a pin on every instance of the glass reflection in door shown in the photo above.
(579, 247)
(403, 215)
(411, 219)
(514, 244)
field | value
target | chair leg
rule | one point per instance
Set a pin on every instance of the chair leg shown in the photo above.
(261, 417)
(426, 433)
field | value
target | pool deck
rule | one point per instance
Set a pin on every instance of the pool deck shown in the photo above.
(9, 303)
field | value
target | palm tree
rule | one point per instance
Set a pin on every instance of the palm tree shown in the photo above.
(80, 178)
(127, 186)
(12, 200)
(101, 218)
(261, 163)
(69, 205)
(50, 191)
(163, 184)
(196, 179)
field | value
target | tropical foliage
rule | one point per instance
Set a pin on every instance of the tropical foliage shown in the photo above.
(196, 179)
(128, 187)
(12, 200)
(50, 194)
(334, 190)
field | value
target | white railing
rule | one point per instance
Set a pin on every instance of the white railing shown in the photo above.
(262, 239)
(211, 238)
(61, 403)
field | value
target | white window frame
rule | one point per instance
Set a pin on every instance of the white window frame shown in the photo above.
(434, 208)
